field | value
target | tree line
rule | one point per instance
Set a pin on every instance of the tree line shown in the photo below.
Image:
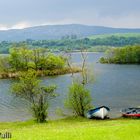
(74, 43)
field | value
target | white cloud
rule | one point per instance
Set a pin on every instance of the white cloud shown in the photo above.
(3, 27)
(21, 25)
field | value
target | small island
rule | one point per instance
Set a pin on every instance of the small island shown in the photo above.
(122, 55)
(22, 58)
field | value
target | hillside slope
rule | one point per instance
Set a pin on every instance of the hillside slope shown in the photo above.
(58, 31)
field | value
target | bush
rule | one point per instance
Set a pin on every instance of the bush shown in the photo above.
(79, 99)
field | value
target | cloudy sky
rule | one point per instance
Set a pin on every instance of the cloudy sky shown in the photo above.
(16, 14)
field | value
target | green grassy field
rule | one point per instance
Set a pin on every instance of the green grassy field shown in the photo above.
(117, 35)
(74, 129)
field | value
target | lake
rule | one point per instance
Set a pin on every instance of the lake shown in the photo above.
(116, 86)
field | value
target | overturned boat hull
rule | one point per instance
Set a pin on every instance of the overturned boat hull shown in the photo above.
(100, 112)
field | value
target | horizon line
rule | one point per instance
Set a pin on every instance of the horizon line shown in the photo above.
(90, 25)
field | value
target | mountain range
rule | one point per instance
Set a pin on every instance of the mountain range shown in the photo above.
(49, 32)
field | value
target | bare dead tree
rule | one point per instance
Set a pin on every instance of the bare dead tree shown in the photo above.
(68, 57)
(70, 64)
(84, 55)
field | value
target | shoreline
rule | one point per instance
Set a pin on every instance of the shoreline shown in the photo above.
(69, 117)
(56, 72)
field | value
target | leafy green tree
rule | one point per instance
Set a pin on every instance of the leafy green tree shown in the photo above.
(54, 62)
(25, 57)
(39, 58)
(14, 59)
(79, 99)
(4, 64)
(29, 88)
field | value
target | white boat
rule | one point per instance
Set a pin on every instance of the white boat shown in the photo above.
(100, 112)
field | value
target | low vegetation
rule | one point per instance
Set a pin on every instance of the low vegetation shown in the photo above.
(74, 128)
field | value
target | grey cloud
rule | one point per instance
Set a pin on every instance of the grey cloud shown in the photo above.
(68, 11)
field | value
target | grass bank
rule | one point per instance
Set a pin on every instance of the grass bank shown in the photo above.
(74, 129)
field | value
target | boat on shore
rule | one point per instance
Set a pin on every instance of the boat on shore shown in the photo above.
(100, 113)
(131, 112)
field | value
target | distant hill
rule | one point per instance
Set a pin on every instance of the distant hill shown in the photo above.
(48, 32)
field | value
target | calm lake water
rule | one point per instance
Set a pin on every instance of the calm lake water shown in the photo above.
(116, 86)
